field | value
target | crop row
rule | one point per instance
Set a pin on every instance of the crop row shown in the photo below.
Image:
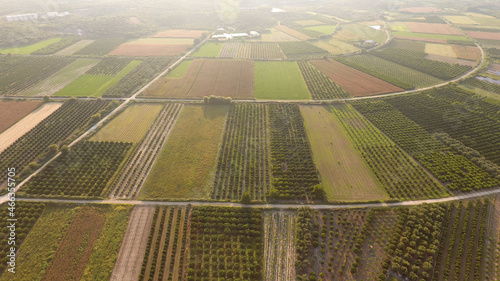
(244, 158)
(137, 78)
(461, 42)
(256, 50)
(55, 47)
(456, 171)
(399, 174)
(84, 170)
(19, 73)
(109, 66)
(72, 116)
(491, 87)
(301, 49)
(140, 162)
(493, 53)
(100, 47)
(293, 169)
(320, 86)
(416, 60)
(225, 243)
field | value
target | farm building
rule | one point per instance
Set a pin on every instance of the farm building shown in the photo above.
(254, 34)
(23, 17)
(227, 36)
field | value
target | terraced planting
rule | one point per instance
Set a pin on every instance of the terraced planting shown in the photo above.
(185, 165)
(225, 242)
(140, 162)
(243, 164)
(71, 117)
(279, 80)
(398, 173)
(293, 169)
(83, 171)
(20, 73)
(166, 254)
(320, 86)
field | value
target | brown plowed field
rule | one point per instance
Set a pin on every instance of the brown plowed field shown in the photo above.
(131, 255)
(74, 251)
(484, 35)
(143, 50)
(13, 111)
(179, 34)
(355, 82)
(229, 78)
(467, 52)
(432, 40)
(434, 28)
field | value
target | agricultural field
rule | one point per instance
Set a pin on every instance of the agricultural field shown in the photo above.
(62, 124)
(155, 47)
(467, 52)
(20, 73)
(428, 37)
(324, 29)
(243, 164)
(165, 256)
(449, 60)
(70, 50)
(83, 171)
(28, 122)
(185, 166)
(344, 174)
(484, 35)
(335, 46)
(309, 22)
(320, 86)
(432, 28)
(301, 50)
(358, 32)
(56, 46)
(461, 20)
(292, 32)
(355, 82)
(140, 162)
(398, 26)
(99, 47)
(131, 125)
(256, 50)
(279, 246)
(96, 82)
(179, 33)
(229, 78)
(279, 80)
(13, 111)
(440, 50)
(407, 45)
(292, 164)
(209, 50)
(26, 50)
(276, 35)
(60, 79)
(225, 242)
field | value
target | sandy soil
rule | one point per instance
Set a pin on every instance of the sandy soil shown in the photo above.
(16, 131)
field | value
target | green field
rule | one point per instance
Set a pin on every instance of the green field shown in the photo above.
(61, 78)
(429, 36)
(365, 32)
(279, 80)
(186, 164)
(36, 252)
(95, 85)
(131, 125)
(344, 173)
(209, 50)
(26, 50)
(399, 26)
(180, 69)
(325, 29)
(336, 46)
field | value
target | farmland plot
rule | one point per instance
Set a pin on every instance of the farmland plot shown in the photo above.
(320, 86)
(484, 35)
(70, 50)
(165, 253)
(302, 49)
(99, 47)
(279, 246)
(279, 80)
(139, 164)
(13, 111)
(344, 174)
(433, 28)
(440, 50)
(24, 125)
(292, 32)
(60, 79)
(353, 81)
(153, 47)
(257, 50)
(133, 248)
(276, 35)
(131, 125)
(358, 32)
(56, 46)
(244, 158)
(208, 77)
(26, 50)
(335, 46)
(179, 33)
(467, 52)
(186, 164)
(209, 50)
(450, 60)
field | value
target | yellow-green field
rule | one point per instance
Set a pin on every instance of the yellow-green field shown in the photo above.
(336, 46)
(28, 49)
(186, 164)
(308, 22)
(460, 20)
(440, 50)
(344, 174)
(399, 26)
(131, 125)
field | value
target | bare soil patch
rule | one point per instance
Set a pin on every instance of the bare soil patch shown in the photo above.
(13, 111)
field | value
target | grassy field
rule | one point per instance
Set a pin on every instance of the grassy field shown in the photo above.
(61, 78)
(399, 26)
(95, 85)
(131, 125)
(186, 164)
(180, 70)
(209, 50)
(40, 245)
(279, 80)
(26, 50)
(344, 174)
(326, 29)
(108, 243)
(336, 46)
(429, 36)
